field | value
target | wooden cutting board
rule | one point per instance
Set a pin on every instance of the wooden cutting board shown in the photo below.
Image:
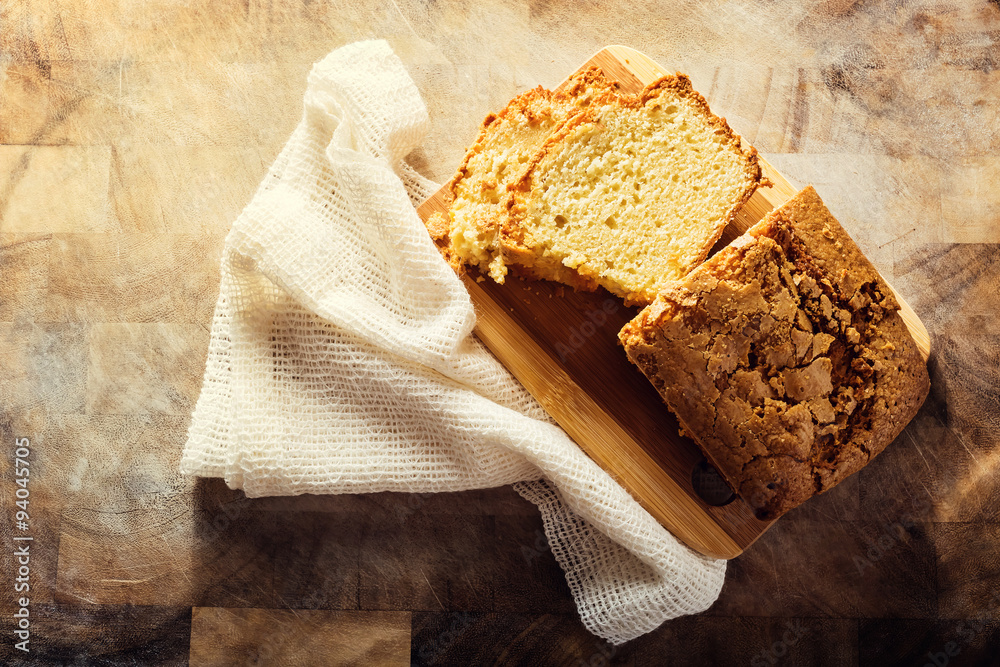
(563, 347)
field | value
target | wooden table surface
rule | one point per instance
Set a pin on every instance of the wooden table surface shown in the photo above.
(132, 133)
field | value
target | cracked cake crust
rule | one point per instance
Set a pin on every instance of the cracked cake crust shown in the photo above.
(783, 357)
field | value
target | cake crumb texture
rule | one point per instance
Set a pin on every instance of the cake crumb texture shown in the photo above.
(480, 192)
(633, 192)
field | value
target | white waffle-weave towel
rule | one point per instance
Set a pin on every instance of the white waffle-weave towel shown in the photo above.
(342, 359)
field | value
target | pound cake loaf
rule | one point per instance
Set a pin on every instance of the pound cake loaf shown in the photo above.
(598, 188)
(783, 357)
(480, 192)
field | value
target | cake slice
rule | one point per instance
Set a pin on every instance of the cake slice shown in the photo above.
(480, 192)
(593, 187)
(783, 357)
(632, 193)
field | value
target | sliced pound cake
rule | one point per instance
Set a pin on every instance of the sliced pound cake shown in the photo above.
(593, 187)
(480, 193)
(783, 357)
(632, 193)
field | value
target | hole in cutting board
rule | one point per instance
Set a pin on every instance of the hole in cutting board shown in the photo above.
(710, 486)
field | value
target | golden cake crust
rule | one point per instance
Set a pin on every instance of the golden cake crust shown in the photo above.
(783, 357)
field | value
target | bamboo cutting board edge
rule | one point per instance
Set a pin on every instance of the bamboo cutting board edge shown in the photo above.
(585, 422)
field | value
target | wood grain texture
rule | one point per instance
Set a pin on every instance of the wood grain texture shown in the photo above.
(132, 134)
(297, 638)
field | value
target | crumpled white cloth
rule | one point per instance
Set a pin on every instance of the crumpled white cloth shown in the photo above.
(342, 359)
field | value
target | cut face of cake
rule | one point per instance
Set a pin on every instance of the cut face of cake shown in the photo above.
(632, 193)
(480, 192)
(783, 357)
(592, 187)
